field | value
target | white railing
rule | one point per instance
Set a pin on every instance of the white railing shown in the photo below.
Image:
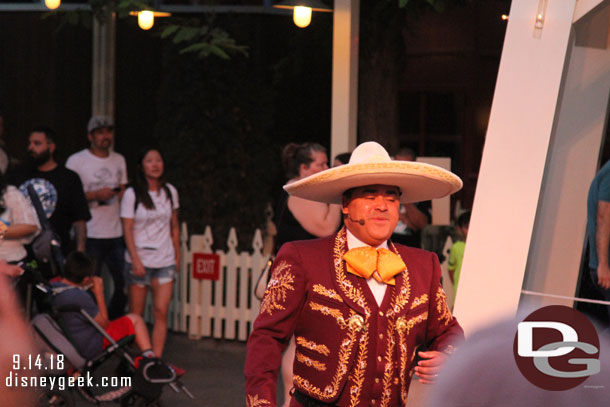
(225, 308)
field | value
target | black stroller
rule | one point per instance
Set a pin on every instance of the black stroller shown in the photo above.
(129, 381)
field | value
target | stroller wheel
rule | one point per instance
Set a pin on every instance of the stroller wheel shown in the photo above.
(135, 400)
(55, 398)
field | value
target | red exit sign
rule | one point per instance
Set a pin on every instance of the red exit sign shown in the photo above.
(206, 266)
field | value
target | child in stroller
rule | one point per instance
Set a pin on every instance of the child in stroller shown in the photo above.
(78, 328)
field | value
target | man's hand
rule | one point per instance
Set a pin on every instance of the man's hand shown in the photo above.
(105, 194)
(603, 276)
(427, 369)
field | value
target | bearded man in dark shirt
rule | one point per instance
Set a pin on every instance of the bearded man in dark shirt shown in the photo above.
(60, 190)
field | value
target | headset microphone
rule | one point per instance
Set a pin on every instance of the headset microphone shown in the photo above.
(360, 221)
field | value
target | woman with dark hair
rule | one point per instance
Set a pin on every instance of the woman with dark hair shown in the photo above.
(299, 219)
(149, 212)
(19, 223)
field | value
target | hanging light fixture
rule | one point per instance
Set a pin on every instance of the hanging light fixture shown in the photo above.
(302, 10)
(52, 4)
(146, 18)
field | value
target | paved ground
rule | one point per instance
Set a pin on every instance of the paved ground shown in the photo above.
(214, 373)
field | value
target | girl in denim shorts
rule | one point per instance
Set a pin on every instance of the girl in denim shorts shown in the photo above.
(149, 212)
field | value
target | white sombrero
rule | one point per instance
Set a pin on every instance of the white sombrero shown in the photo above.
(371, 164)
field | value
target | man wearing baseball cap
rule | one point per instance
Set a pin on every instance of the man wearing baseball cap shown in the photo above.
(103, 173)
(361, 308)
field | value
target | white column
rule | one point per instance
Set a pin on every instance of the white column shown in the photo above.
(103, 66)
(513, 163)
(559, 233)
(344, 121)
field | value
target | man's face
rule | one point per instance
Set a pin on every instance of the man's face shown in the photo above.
(102, 138)
(39, 148)
(319, 163)
(377, 206)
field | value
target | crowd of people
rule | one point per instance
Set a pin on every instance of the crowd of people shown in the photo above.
(101, 220)
(354, 308)
(131, 229)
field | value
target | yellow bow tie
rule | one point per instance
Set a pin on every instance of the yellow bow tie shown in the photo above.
(380, 263)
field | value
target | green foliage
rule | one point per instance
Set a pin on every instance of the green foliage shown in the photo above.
(203, 40)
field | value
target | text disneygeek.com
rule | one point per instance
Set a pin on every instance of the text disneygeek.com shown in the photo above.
(62, 382)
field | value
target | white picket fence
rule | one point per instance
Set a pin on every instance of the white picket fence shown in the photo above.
(220, 309)
(226, 308)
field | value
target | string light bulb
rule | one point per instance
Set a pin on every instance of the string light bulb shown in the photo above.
(52, 4)
(146, 19)
(301, 16)
(302, 10)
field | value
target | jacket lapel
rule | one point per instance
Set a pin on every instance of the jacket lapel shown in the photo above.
(347, 285)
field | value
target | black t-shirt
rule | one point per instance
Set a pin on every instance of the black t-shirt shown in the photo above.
(61, 194)
(288, 227)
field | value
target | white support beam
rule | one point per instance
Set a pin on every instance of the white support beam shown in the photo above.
(344, 121)
(513, 163)
(583, 7)
(559, 233)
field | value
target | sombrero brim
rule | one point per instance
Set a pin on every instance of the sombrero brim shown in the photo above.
(417, 181)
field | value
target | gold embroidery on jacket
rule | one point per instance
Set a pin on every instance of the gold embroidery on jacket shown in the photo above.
(399, 301)
(327, 292)
(333, 312)
(358, 373)
(402, 343)
(402, 325)
(353, 293)
(256, 402)
(419, 300)
(347, 345)
(310, 362)
(311, 345)
(388, 368)
(281, 282)
(330, 391)
(402, 294)
(356, 295)
(442, 307)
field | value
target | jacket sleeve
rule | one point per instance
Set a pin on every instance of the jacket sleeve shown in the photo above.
(444, 332)
(274, 326)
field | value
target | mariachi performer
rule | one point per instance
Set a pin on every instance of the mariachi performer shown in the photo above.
(361, 308)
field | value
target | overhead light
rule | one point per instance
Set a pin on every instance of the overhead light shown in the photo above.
(146, 18)
(302, 10)
(504, 17)
(52, 4)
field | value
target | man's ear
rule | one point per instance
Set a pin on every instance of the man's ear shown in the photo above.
(90, 137)
(302, 168)
(52, 147)
(344, 208)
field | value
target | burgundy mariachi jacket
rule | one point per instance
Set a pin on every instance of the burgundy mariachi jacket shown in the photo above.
(349, 351)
